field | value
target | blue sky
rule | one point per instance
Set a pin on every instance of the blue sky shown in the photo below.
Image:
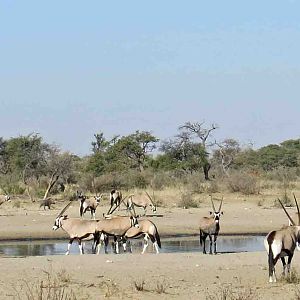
(69, 69)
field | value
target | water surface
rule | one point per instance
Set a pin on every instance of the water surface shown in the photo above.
(225, 244)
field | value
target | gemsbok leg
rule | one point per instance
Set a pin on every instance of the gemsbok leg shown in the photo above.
(69, 246)
(210, 244)
(215, 244)
(145, 243)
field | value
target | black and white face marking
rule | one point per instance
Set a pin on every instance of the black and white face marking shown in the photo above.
(154, 208)
(134, 222)
(57, 223)
(97, 198)
(7, 198)
(217, 216)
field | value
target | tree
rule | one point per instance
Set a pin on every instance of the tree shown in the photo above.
(58, 166)
(197, 130)
(182, 153)
(226, 153)
(97, 161)
(26, 156)
(3, 157)
(135, 148)
(100, 144)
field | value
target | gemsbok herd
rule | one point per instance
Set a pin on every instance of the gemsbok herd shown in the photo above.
(278, 243)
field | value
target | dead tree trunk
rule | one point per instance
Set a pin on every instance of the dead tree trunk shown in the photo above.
(206, 169)
(53, 180)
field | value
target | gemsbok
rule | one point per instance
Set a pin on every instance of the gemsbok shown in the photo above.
(78, 229)
(210, 226)
(115, 226)
(115, 200)
(146, 228)
(90, 204)
(143, 200)
(281, 243)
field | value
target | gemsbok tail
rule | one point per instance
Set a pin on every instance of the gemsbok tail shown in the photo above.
(157, 237)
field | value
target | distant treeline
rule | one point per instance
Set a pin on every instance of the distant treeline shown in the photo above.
(28, 164)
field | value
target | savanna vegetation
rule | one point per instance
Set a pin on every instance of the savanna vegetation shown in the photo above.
(191, 161)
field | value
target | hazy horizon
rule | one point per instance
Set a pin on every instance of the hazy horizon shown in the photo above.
(70, 70)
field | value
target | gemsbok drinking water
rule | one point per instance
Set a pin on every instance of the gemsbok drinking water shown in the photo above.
(281, 243)
(146, 228)
(210, 226)
(141, 200)
(115, 226)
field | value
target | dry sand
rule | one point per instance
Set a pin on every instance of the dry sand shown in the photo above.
(167, 276)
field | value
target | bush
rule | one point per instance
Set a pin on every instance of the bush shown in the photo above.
(161, 180)
(286, 201)
(14, 189)
(213, 187)
(283, 174)
(106, 183)
(195, 184)
(244, 183)
(135, 179)
(187, 201)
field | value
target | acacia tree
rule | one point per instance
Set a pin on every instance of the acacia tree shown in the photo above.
(27, 157)
(135, 148)
(203, 134)
(182, 153)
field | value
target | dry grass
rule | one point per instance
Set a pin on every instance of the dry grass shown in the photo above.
(187, 201)
(50, 288)
(160, 287)
(230, 293)
(139, 285)
(293, 277)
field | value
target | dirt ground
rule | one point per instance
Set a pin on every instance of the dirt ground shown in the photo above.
(167, 276)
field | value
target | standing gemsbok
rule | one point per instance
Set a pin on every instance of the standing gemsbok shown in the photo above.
(78, 229)
(90, 204)
(281, 243)
(115, 200)
(210, 226)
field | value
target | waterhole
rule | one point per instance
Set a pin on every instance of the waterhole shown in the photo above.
(225, 244)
